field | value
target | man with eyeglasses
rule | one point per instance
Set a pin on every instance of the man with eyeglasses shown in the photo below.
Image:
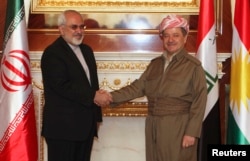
(69, 71)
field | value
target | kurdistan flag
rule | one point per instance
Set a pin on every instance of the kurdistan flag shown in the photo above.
(238, 131)
(207, 54)
(18, 136)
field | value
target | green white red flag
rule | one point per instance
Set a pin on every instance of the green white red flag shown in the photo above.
(238, 131)
(18, 134)
(207, 54)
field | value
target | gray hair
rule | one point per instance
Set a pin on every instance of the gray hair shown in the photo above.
(62, 18)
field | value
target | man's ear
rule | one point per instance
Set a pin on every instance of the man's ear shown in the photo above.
(61, 30)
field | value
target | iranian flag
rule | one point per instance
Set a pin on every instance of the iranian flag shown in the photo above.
(238, 131)
(18, 135)
(207, 54)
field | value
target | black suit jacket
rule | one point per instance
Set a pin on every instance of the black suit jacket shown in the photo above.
(69, 111)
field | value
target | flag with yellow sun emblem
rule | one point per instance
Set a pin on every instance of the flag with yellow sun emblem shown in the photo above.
(239, 112)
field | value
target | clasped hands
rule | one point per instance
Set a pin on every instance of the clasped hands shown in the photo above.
(102, 98)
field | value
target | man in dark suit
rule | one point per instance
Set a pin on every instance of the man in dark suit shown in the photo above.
(69, 72)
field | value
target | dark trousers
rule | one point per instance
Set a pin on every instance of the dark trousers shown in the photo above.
(65, 150)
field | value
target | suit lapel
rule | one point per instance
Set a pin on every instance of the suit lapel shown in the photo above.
(69, 51)
(87, 60)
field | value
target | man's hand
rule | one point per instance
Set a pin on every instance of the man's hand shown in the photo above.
(188, 141)
(102, 98)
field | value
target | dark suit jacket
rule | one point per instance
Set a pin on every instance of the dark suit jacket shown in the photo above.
(69, 112)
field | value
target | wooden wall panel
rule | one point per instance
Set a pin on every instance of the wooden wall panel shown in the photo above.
(2, 21)
(224, 41)
(109, 42)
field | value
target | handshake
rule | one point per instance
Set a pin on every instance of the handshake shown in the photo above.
(102, 98)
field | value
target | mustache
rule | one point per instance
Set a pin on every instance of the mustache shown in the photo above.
(78, 34)
(171, 43)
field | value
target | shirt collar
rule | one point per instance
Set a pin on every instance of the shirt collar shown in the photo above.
(73, 47)
(178, 55)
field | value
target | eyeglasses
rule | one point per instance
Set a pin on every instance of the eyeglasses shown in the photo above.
(75, 27)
